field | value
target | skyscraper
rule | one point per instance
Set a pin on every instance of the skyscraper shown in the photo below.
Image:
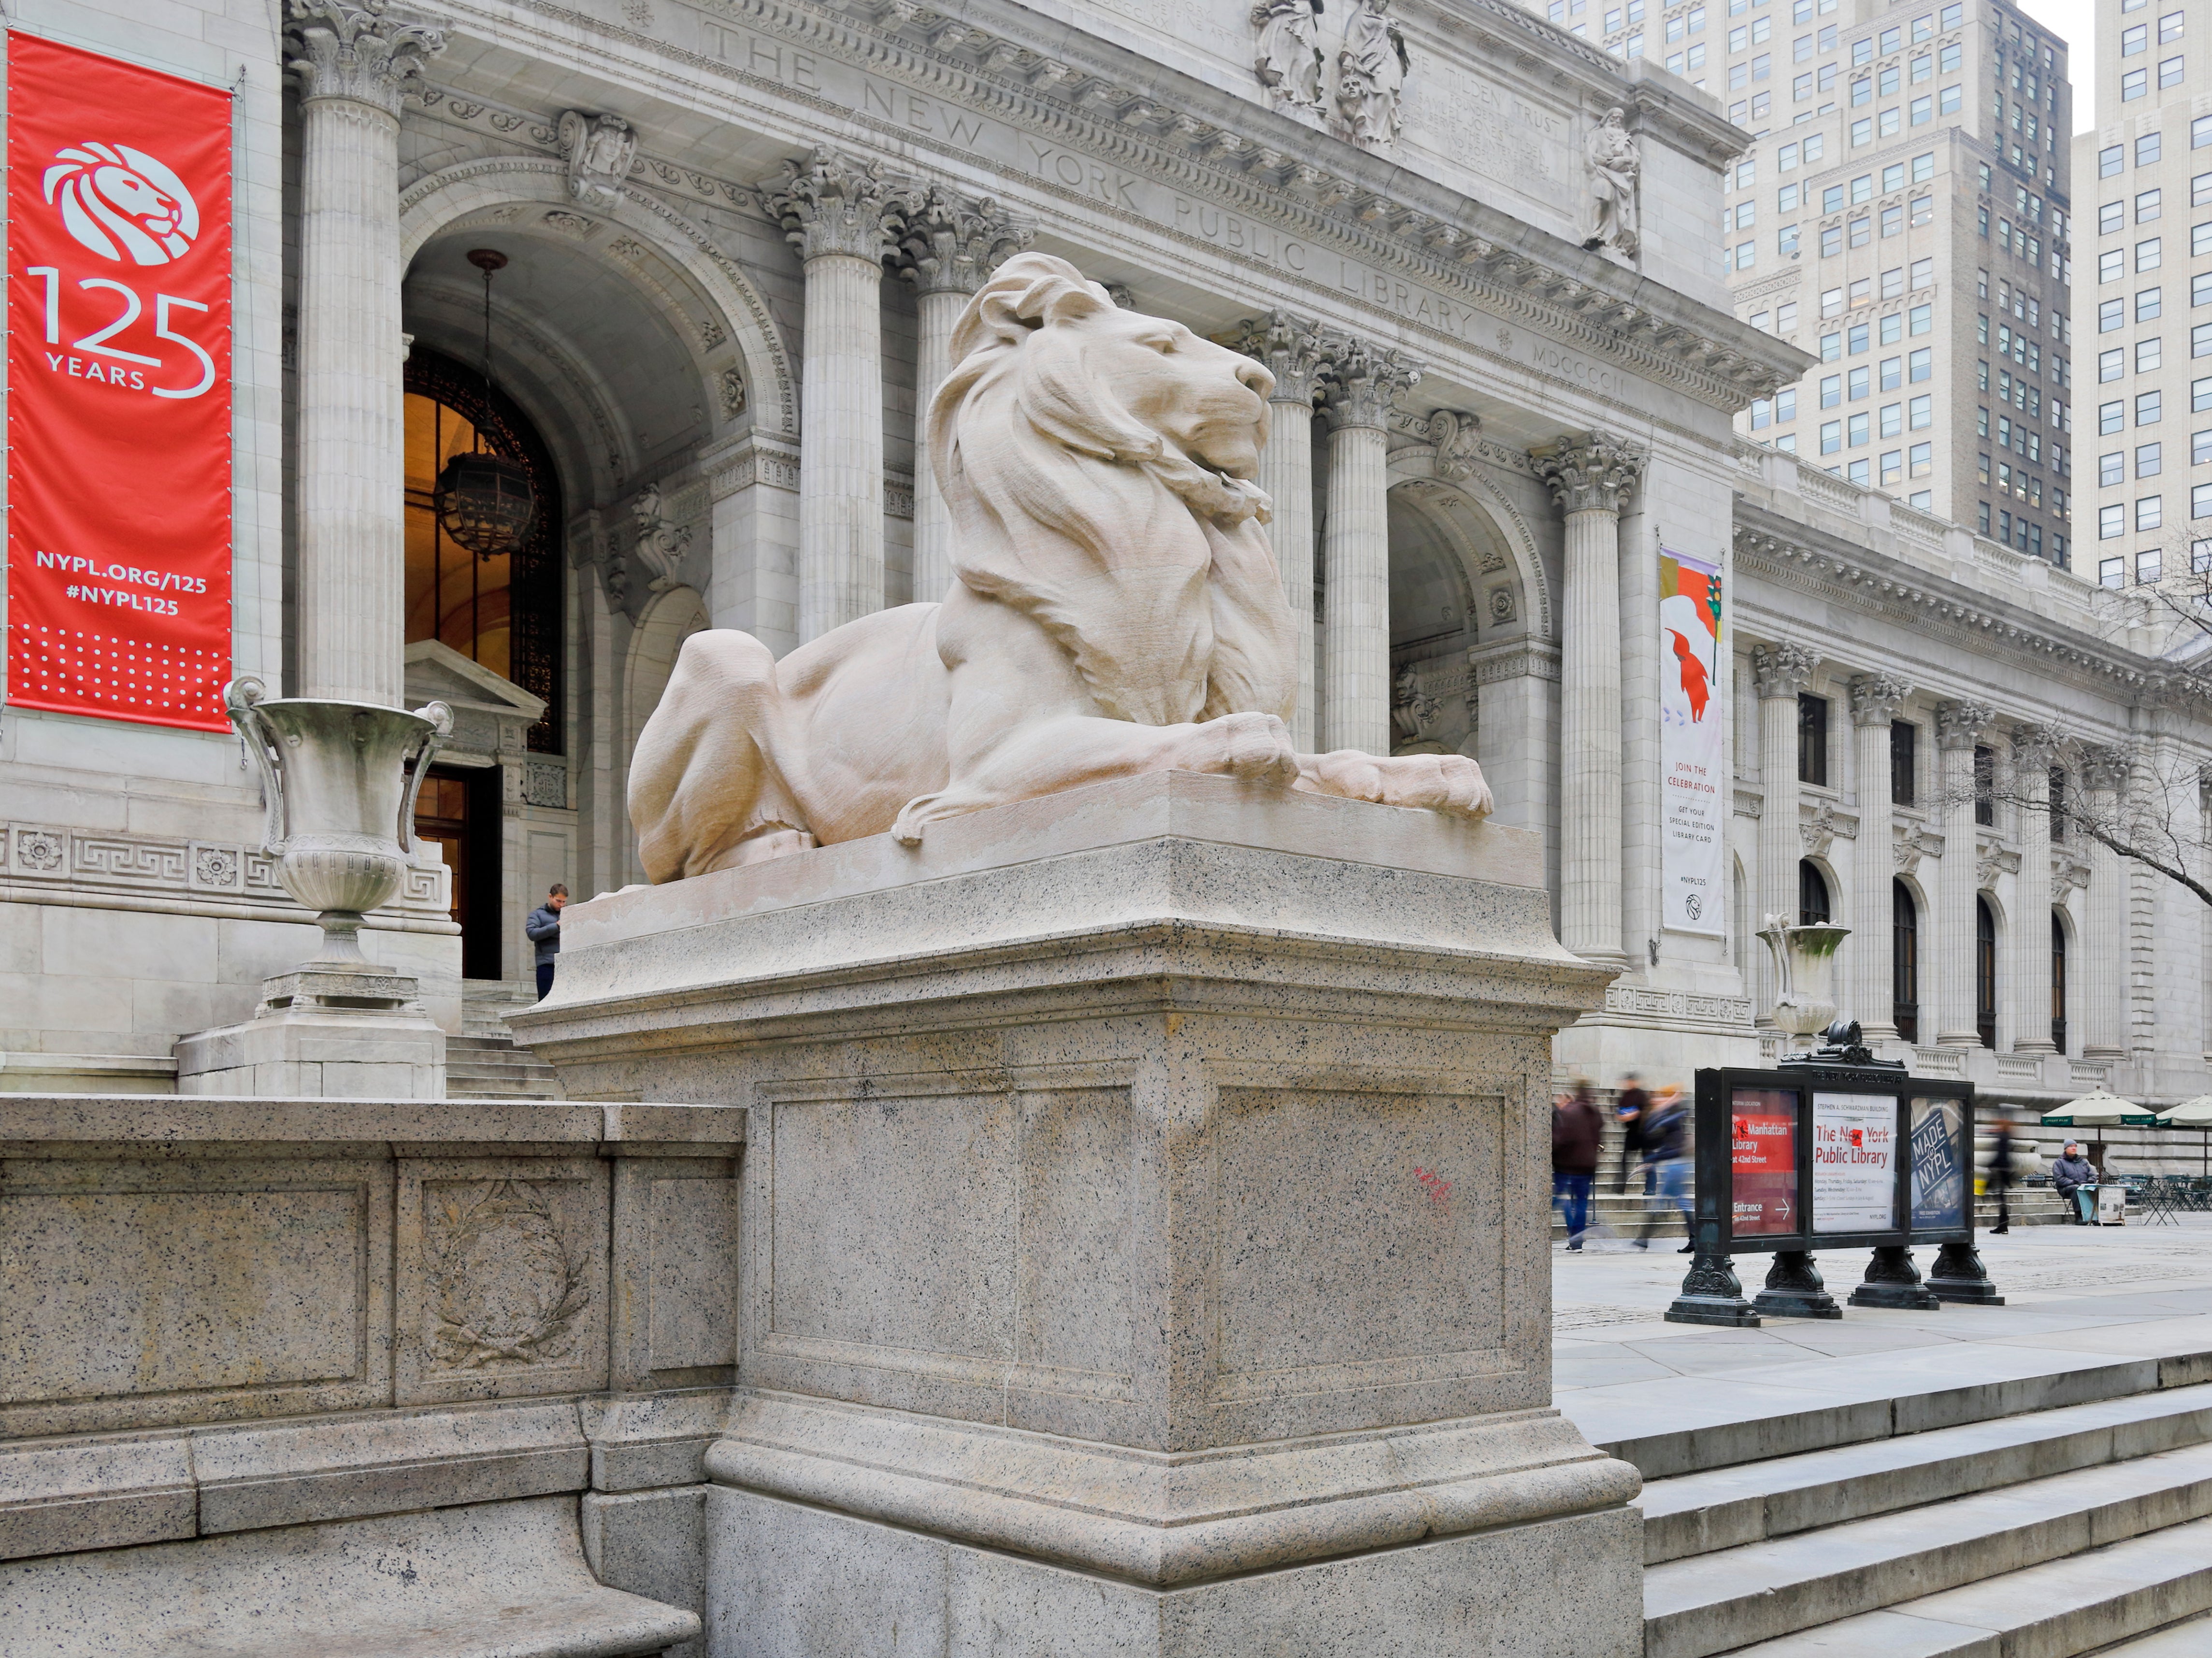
(2149, 158)
(1904, 215)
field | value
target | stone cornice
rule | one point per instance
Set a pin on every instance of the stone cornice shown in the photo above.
(1940, 611)
(1001, 59)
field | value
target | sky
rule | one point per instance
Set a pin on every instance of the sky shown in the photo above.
(2075, 22)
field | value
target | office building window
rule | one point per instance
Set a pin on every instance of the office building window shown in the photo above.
(1904, 962)
(1812, 739)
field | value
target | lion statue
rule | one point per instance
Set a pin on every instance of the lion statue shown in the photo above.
(1117, 610)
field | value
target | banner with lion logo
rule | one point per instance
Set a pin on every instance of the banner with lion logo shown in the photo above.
(1692, 744)
(119, 388)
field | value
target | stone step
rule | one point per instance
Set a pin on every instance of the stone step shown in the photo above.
(2061, 1608)
(1698, 1512)
(1718, 1602)
(1881, 1403)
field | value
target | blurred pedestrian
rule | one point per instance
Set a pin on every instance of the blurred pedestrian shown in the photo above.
(1577, 1129)
(1631, 1105)
(2001, 1174)
(1666, 1145)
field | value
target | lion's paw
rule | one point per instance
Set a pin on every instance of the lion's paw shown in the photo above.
(1256, 746)
(1432, 782)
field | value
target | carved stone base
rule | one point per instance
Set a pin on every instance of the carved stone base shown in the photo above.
(1794, 1290)
(1712, 1293)
(324, 1030)
(1892, 1280)
(1959, 1275)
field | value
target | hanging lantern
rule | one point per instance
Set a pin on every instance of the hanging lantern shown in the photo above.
(484, 501)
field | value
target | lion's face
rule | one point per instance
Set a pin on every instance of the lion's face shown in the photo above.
(1207, 401)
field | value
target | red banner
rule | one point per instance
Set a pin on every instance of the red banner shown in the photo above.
(118, 389)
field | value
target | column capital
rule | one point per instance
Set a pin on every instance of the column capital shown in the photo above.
(1783, 670)
(2105, 767)
(356, 49)
(952, 244)
(1877, 698)
(1360, 380)
(1590, 471)
(1292, 348)
(2034, 743)
(1961, 725)
(836, 204)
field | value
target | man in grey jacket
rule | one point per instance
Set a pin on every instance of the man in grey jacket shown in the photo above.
(544, 930)
(2070, 1174)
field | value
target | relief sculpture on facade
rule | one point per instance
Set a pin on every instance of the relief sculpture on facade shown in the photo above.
(1616, 169)
(1289, 58)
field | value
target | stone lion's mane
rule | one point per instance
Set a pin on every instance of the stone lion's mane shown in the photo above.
(1071, 510)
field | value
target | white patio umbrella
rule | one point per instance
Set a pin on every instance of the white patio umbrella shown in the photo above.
(2194, 1113)
(2096, 1111)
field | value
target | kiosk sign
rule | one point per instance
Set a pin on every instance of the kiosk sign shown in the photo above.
(1763, 1157)
(1854, 1163)
(1941, 1155)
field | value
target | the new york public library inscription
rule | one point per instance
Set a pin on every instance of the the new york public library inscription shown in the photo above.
(1497, 118)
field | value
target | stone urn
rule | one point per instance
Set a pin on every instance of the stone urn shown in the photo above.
(1805, 972)
(340, 779)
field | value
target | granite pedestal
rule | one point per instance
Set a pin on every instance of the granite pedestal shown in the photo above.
(324, 1030)
(1144, 1244)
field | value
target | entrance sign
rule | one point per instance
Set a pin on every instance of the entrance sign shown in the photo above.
(1692, 744)
(118, 389)
(1854, 1163)
(1763, 1157)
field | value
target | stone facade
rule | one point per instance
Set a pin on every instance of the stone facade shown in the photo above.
(681, 200)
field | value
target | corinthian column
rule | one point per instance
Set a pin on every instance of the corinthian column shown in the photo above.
(1592, 475)
(1958, 728)
(1295, 354)
(1876, 699)
(353, 61)
(2102, 987)
(1361, 381)
(950, 247)
(2027, 990)
(1780, 671)
(843, 217)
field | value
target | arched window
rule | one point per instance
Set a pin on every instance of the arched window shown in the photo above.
(2057, 982)
(1904, 962)
(503, 613)
(1986, 973)
(1812, 894)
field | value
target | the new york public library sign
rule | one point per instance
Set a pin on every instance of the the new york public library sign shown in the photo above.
(1086, 177)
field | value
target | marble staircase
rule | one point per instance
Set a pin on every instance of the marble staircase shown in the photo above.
(2057, 1517)
(484, 1062)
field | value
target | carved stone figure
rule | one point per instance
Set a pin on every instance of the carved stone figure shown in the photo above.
(660, 541)
(600, 149)
(1413, 715)
(1289, 62)
(1117, 610)
(1370, 75)
(1616, 169)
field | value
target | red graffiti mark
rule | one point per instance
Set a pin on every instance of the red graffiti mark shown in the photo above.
(1439, 1189)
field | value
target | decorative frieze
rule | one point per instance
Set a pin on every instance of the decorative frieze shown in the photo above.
(1677, 1005)
(36, 856)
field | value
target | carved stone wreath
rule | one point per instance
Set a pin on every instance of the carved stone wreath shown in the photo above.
(505, 1286)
